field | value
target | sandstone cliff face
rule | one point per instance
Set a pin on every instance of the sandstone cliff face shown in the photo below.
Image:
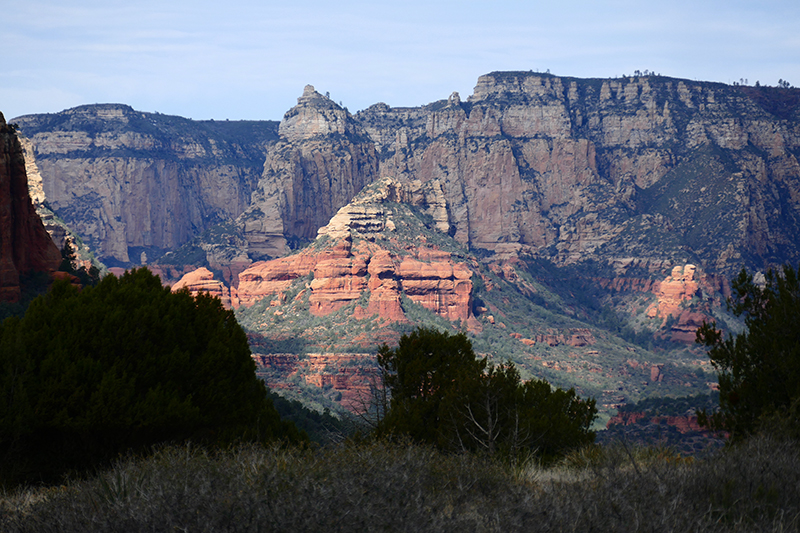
(348, 263)
(624, 171)
(322, 160)
(25, 246)
(131, 182)
(640, 168)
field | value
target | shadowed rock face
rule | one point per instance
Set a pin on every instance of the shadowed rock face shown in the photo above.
(25, 246)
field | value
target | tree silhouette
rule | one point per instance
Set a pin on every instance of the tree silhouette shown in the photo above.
(758, 369)
(440, 394)
(88, 374)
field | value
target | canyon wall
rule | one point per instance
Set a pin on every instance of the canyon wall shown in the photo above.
(643, 170)
(25, 246)
(130, 182)
(653, 169)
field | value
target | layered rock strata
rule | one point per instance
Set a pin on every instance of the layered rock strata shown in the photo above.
(130, 182)
(626, 171)
(349, 262)
(202, 281)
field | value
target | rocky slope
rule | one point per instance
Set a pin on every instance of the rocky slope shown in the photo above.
(25, 246)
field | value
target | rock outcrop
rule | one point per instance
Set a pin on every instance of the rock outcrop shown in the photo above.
(683, 423)
(349, 263)
(322, 160)
(679, 287)
(202, 280)
(350, 376)
(25, 245)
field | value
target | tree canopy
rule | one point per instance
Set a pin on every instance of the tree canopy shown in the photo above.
(87, 374)
(758, 369)
(441, 394)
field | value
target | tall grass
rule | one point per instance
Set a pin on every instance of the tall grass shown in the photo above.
(391, 487)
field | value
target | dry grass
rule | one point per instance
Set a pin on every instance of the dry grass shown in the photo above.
(388, 487)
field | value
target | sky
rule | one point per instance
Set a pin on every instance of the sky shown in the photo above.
(250, 59)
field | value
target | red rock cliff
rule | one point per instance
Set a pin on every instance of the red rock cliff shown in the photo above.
(25, 245)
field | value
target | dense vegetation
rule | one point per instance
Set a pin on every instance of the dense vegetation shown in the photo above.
(87, 374)
(759, 369)
(437, 392)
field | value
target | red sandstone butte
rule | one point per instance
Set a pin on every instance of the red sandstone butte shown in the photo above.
(202, 280)
(342, 273)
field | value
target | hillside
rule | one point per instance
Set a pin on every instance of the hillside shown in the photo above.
(385, 265)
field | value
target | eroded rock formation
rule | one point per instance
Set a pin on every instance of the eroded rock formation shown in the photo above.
(25, 245)
(351, 376)
(349, 262)
(322, 160)
(202, 280)
(679, 287)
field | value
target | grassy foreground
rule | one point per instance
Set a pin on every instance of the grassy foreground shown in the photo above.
(389, 487)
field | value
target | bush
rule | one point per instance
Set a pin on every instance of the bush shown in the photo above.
(440, 394)
(123, 365)
(402, 487)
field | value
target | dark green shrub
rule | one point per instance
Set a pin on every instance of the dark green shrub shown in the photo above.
(440, 394)
(759, 369)
(88, 374)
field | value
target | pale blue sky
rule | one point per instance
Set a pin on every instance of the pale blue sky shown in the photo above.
(242, 59)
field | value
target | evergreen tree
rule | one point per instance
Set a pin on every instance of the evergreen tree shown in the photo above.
(88, 374)
(441, 394)
(758, 369)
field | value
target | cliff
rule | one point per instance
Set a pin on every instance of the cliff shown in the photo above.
(133, 183)
(647, 168)
(25, 246)
(633, 170)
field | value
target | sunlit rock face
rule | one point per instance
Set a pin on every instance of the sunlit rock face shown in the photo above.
(321, 161)
(202, 281)
(643, 170)
(350, 263)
